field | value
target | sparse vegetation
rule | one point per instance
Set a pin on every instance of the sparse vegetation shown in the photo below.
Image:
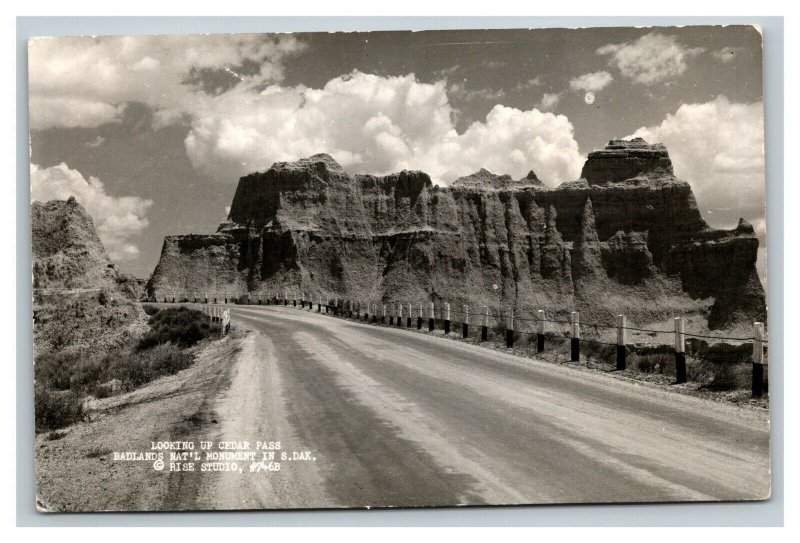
(64, 377)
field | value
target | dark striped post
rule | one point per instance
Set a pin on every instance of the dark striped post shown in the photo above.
(680, 350)
(621, 332)
(408, 320)
(540, 331)
(431, 319)
(319, 303)
(575, 333)
(465, 322)
(485, 327)
(446, 319)
(510, 329)
(758, 359)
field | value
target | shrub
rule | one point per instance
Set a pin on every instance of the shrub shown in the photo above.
(179, 325)
(55, 369)
(55, 409)
(150, 309)
(140, 367)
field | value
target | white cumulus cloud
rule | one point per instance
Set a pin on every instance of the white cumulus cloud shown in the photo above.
(117, 219)
(549, 100)
(651, 58)
(378, 125)
(85, 81)
(591, 82)
(718, 147)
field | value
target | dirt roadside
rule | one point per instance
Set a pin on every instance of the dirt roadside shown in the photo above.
(77, 471)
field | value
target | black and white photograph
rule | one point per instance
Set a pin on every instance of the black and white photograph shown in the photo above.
(399, 269)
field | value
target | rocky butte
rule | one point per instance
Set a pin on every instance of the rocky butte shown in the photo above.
(626, 238)
(80, 299)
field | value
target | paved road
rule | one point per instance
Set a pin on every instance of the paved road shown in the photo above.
(399, 418)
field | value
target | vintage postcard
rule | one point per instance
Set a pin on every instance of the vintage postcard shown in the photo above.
(399, 269)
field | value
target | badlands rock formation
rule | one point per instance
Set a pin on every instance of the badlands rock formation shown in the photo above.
(625, 238)
(80, 299)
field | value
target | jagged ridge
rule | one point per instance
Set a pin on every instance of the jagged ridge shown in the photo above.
(627, 238)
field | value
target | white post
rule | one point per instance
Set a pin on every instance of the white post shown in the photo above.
(510, 319)
(621, 330)
(486, 316)
(540, 324)
(446, 311)
(680, 336)
(758, 343)
(384, 311)
(432, 316)
(466, 314)
(576, 325)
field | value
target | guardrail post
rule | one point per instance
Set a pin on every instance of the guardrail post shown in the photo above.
(206, 297)
(446, 318)
(391, 314)
(575, 320)
(419, 317)
(431, 319)
(621, 333)
(510, 329)
(485, 327)
(319, 303)
(758, 359)
(400, 315)
(540, 328)
(465, 322)
(680, 350)
(383, 315)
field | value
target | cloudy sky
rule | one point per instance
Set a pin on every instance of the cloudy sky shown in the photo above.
(151, 133)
